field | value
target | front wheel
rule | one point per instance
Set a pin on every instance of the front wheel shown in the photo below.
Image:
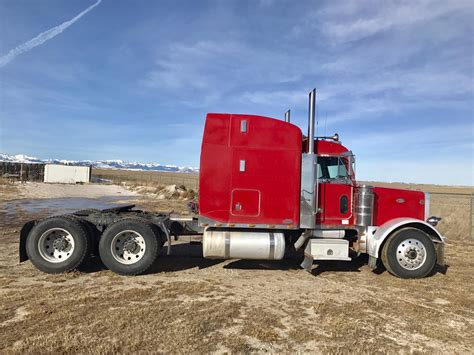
(409, 254)
(129, 246)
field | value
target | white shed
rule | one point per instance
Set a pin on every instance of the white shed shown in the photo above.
(66, 174)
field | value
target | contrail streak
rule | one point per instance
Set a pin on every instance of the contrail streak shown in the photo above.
(42, 37)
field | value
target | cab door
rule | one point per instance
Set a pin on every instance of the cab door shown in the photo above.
(335, 204)
(335, 192)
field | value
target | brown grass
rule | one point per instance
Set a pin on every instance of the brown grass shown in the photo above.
(159, 191)
(191, 181)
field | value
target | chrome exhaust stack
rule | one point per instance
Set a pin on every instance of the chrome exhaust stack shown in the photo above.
(309, 173)
(311, 120)
(287, 116)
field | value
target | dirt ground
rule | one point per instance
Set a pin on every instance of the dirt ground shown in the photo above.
(32, 190)
(190, 304)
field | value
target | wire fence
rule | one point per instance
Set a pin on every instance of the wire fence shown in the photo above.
(457, 213)
(21, 171)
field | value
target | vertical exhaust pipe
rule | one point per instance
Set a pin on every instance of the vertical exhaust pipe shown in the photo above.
(309, 175)
(287, 116)
(311, 120)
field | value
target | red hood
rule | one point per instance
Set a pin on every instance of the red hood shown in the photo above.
(394, 203)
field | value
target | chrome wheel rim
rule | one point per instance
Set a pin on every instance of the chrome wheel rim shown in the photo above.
(128, 247)
(56, 245)
(411, 254)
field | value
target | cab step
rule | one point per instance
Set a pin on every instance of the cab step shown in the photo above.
(325, 249)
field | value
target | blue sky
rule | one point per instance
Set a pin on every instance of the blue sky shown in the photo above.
(133, 80)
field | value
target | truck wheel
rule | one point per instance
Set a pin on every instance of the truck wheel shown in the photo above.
(409, 254)
(129, 246)
(57, 244)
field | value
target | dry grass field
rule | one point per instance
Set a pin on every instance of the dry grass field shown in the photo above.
(190, 304)
(191, 181)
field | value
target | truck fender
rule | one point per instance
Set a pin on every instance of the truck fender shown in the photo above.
(377, 235)
(25, 231)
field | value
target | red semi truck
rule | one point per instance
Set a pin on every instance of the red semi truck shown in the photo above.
(264, 188)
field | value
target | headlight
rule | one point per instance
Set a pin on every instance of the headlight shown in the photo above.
(433, 220)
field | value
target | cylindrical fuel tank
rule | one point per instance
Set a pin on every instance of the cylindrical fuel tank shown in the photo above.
(364, 206)
(223, 244)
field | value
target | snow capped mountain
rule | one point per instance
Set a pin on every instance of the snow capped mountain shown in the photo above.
(102, 164)
(19, 158)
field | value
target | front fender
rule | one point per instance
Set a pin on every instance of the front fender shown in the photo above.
(377, 235)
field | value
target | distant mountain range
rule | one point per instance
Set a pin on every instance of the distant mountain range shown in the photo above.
(101, 164)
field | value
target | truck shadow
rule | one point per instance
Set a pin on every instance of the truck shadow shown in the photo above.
(438, 269)
(183, 257)
(339, 266)
(285, 264)
(187, 256)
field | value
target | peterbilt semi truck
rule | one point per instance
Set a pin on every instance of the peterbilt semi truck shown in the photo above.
(264, 189)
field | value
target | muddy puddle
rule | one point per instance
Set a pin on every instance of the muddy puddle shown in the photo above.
(11, 210)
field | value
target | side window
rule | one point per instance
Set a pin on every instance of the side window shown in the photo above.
(333, 171)
(344, 204)
(341, 169)
(332, 168)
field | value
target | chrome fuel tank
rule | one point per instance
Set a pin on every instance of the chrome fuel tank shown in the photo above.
(222, 244)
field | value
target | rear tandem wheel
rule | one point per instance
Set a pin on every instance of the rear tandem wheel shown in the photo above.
(58, 244)
(130, 246)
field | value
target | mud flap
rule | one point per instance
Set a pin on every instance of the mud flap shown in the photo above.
(25, 231)
(168, 237)
(440, 260)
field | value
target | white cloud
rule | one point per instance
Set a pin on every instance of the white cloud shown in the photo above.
(363, 21)
(42, 37)
(207, 70)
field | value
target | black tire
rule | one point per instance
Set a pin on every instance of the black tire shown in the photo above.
(113, 250)
(409, 253)
(93, 234)
(36, 244)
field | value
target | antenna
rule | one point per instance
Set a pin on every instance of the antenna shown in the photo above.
(317, 119)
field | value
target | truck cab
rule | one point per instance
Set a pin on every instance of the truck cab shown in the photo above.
(336, 176)
(262, 180)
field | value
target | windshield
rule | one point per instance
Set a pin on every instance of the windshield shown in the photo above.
(334, 167)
